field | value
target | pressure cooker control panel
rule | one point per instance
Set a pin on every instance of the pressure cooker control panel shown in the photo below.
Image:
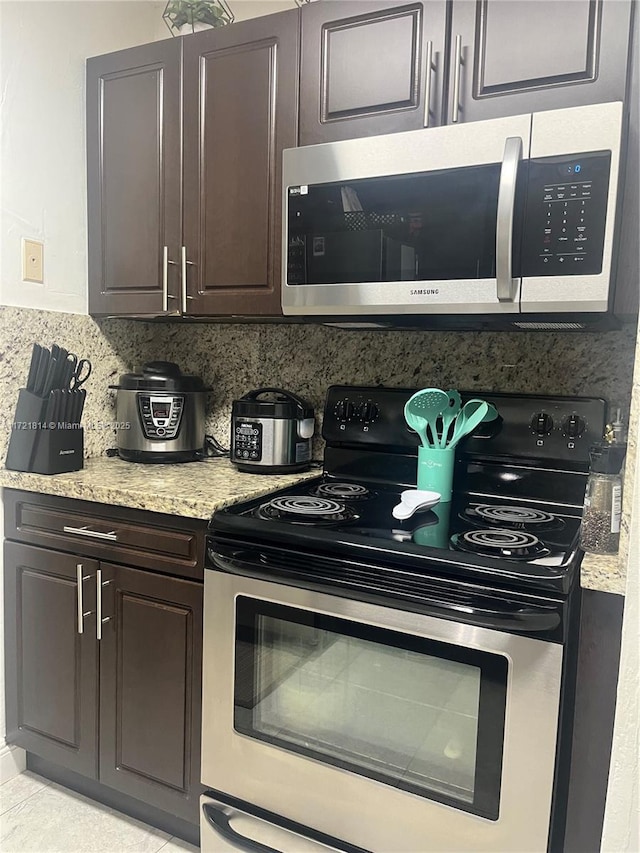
(247, 441)
(160, 416)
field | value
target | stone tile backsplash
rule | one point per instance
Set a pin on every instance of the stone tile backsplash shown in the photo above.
(233, 359)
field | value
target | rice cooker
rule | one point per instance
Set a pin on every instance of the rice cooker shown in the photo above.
(160, 414)
(271, 435)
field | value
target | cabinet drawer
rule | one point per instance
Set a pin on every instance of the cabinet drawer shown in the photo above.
(149, 540)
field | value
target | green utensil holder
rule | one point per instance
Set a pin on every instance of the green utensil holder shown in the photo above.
(435, 535)
(435, 470)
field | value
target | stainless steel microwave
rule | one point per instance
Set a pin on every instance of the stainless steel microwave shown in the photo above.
(507, 222)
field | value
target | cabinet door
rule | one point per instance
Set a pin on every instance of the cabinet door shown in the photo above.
(134, 181)
(518, 56)
(240, 111)
(150, 688)
(51, 656)
(364, 68)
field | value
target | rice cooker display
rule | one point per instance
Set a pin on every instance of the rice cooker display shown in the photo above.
(248, 441)
(160, 416)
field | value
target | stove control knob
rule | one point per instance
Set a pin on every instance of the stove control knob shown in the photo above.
(573, 426)
(367, 411)
(344, 410)
(542, 423)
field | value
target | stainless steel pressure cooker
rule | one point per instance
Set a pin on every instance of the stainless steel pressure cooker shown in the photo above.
(271, 435)
(160, 414)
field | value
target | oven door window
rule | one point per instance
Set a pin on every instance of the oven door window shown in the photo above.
(414, 713)
(430, 226)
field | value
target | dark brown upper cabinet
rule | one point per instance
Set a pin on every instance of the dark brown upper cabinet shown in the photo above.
(134, 185)
(519, 56)
(370, 67)
(240, 112)
(192, 227)
(381, 67)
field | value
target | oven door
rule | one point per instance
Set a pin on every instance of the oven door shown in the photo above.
(390, 730)
(420, 222)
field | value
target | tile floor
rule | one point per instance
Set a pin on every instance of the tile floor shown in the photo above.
(41, 816)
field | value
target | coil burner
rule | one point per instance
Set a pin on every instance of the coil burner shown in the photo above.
(306, 509)
(342, 491)
(507, 544)
(511, 517)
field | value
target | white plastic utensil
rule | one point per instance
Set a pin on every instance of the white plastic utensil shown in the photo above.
(414, 500)
(422, 410)
(449, 415)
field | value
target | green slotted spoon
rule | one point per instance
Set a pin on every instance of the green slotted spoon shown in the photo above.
(421, 412)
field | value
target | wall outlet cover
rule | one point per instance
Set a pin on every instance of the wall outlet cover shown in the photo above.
(32, 261)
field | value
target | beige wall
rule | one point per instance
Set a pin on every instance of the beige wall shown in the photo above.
(244, 9)
(43, 47)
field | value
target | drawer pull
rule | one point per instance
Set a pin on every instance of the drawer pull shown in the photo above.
(91, 534)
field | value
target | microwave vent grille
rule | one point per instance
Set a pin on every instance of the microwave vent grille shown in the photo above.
(542, 326)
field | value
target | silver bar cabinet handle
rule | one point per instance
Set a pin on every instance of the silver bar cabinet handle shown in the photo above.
(81, 614)
(99, 620)
(165, 278)
(455, 105)
(185, 263)
(166, 296)
(112, 536)
(506, 284)
(79, 579)
(430, 67)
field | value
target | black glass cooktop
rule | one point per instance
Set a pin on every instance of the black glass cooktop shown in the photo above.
(339, 516)
(493, 527)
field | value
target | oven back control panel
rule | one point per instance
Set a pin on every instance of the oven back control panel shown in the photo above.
(531, 426)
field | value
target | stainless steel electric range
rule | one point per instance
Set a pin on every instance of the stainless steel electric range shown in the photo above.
(384, 685)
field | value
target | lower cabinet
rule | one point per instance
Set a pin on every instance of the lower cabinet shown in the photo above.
(52, 662)
(150, 688)
(103, 673)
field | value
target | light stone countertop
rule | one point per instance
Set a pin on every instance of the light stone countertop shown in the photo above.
(603, 573)
(191, 489)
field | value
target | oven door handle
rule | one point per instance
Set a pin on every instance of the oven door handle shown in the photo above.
(526, 619)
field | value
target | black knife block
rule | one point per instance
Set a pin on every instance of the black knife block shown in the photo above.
(35, 446)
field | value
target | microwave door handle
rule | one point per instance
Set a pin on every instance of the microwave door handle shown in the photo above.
(506, 284)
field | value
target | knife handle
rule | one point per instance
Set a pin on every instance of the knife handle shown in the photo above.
(33, 367)
(50, 412)
(41, 374)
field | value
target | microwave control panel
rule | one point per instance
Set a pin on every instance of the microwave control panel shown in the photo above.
(160, 416)
(565, 214)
